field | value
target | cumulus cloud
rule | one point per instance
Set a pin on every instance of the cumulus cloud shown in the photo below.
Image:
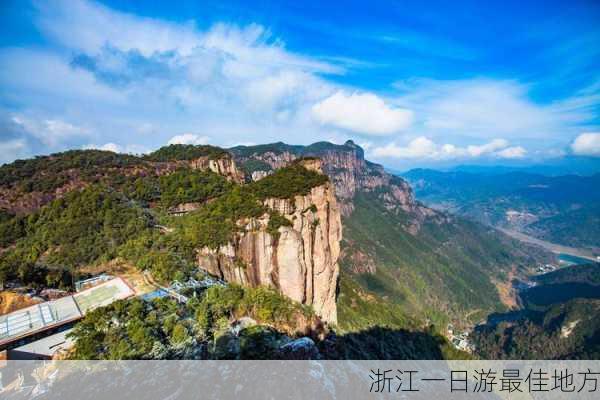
(13, 149)
(512, 152)
(105, 76)
(115, 148)
(188, 138)
(488, 108)
(426, 149)
(587, 144)
(50, 131)
(420, 147)
(120, 73)
(362, 113)
(487, 148)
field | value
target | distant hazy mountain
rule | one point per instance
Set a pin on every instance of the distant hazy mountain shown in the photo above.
(562, 209)
(567, 165)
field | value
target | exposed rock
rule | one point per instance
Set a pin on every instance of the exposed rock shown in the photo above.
(275, 160)
(300, 261)
(224, 166)
(184, 208)
(350, 173)
(360, 262)
(300, 349)
(258, 175)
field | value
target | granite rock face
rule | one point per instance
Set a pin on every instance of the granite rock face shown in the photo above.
(224, 166)
(300, 260)
(349, 172)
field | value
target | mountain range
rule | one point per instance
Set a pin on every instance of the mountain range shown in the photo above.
(313, 240)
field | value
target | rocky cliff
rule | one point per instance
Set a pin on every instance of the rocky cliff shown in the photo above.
(299, 258)
(224, 166)
(348, 170)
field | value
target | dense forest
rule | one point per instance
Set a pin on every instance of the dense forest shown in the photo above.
(199, 329)
(433, 271)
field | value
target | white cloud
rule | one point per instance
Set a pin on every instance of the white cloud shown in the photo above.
(145, 80)
(13, 149)
(423, 148)
(362, 113)
(115, 148)
(487, 148)
(488, 108)
(420, 147)
(188, 138)
(512, 152)
(50, 131)
(587, 144)
(88, 26)
(105, 76)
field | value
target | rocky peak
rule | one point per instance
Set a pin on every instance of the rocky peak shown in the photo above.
(348, 171)
(300, 260)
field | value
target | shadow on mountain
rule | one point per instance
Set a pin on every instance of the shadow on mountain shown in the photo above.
(380, 343)
(376, 343)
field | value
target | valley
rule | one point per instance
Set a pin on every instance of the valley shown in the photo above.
(581, 253)
(557, 210)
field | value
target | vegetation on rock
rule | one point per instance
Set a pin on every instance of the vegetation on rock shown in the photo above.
(199, 329)
(187, 152)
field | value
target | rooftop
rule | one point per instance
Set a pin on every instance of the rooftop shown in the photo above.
(43, 316)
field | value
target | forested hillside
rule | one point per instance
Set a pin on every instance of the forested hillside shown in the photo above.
(560, 320)
(66, 214)
(115, 213)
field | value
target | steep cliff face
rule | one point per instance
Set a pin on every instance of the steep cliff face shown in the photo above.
(224, 166)
(300, 260)
(348, 170)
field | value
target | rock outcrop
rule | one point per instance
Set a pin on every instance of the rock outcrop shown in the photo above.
(224, 166)
(300, 260)
(349, 172)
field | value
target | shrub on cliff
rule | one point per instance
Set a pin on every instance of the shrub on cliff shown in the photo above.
(186, 186)
(162, 328)
(285, 183)
(263, 304)
(176, 152)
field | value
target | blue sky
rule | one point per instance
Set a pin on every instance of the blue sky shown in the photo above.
(416, 84)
